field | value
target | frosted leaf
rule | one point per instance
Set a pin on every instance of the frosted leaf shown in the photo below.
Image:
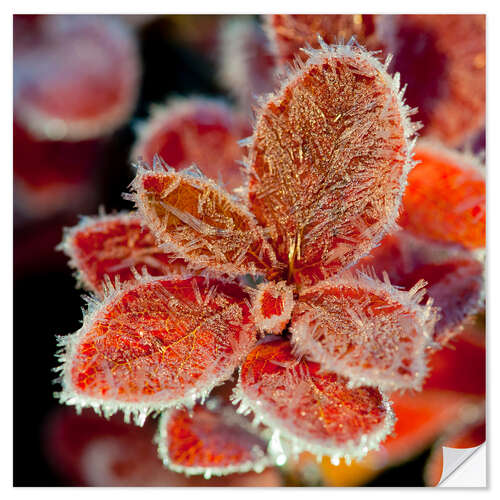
(329, 159)
(442, 58)
(212, 440)
(454, 276)
(193, 217)
(198, 131)
(445, 199)
(290, 33)
(246, 63)
(76, 78)
(308, 410)
(366, 330)
(156, 344)
(272, 306)
(112, 246)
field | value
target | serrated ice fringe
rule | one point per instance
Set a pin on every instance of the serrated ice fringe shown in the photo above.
(284, 445)
(195, 178)
(353, 50)
(306, 344)
(138, 411)
(161, 440)
(87, 221)
(274, 324)
(174, 108)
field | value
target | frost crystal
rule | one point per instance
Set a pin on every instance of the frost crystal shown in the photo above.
(366, 330)
(328, 164)
(272, 306)
(156, 344)
(201, 223)
(197, 131)
(312, 411)
(212, 440)
(116, 247)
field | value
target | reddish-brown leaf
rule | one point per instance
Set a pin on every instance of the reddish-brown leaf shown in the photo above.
(366, 330)
(290, 33)
(156, 344)
(196, 131)
(110, 245)
(454, 276)
(211, 440)
(445, 199)
(194, 218)
(329, 160)
(311, 410)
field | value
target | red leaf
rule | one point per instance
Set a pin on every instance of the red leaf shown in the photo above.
(91, 451)
(201, 223)
(311, 411)
(77, 78)
(290, 33)
(442, 58)
(445, 199)
(328, 161)
(156, 344)
(196, 131)
(110, 245)
(366, 330)
(211, 440)
(272, 306)
(454, 276)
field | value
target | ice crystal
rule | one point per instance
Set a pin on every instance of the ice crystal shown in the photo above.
(329, 159)
(366, 330)
(197, 131)
(311, 411)
(212, 440)
(289, 34)
(156, 345)
(327, 166)
(202, 223)
(115, 247)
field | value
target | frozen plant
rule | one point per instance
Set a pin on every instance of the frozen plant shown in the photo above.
(198, 283)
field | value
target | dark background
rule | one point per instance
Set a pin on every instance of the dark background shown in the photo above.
(46, 302)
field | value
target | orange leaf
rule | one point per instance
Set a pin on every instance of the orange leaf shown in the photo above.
(201, 223)
(110, 245)
(445, 199)
(156, 344)
(366, 330)
(212, 440)
(309, 410)
(329, 160)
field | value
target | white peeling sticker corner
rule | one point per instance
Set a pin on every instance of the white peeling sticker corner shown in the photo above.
(464, 467)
